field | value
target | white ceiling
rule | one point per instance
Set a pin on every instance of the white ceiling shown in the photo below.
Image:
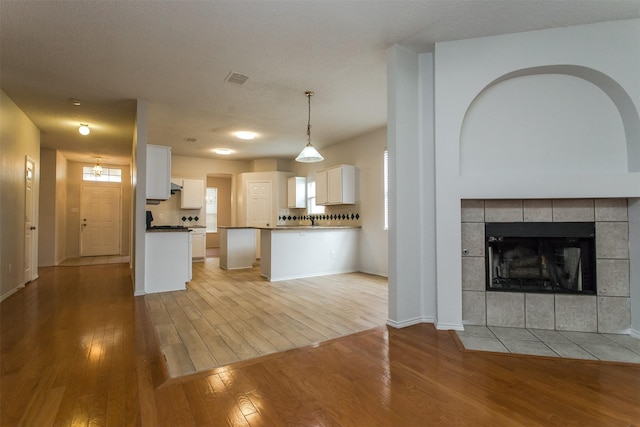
(176, 55)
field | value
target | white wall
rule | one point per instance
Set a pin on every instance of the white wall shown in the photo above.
(606, 57)
(19, 138)
(365, 152)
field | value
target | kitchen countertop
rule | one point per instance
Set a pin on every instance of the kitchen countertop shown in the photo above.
(230, 227)
(162, 229)
(313, 227)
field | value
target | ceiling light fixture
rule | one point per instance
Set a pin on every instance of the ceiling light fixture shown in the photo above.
(97, 169)
(244, 134)
(84, 129)
(308, 153)
(222, 151)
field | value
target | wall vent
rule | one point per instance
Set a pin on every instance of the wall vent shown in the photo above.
(236, 78)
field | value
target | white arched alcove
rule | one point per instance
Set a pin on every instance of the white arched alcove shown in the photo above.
(543, 122)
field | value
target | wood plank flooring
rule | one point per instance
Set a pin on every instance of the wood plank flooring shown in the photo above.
(228, 316)
(77, 349)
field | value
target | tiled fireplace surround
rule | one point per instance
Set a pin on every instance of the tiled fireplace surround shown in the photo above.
(607, 312)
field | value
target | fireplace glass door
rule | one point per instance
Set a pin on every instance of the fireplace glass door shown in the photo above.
(541, 257)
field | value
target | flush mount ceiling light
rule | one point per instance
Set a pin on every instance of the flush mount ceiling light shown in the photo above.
(309, 154)
(222, 151)
(244, 134)
(84, 129)
(97, 169)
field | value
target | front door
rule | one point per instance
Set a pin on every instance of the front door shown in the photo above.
(99, 220)
(30, 248)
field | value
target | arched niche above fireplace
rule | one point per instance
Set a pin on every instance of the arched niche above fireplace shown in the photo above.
(558, 120)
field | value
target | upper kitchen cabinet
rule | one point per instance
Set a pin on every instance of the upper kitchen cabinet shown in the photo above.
(192, 194)
(158, 172)
(336, 186)
(297, 192)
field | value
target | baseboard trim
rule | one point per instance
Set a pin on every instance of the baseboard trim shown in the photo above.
(449, 326)
(11, 292)
(409, 322)
(634, 333)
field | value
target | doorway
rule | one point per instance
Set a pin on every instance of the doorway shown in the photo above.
(30, 233)
(100, 220)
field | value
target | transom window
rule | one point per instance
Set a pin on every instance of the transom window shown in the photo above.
(107, 175)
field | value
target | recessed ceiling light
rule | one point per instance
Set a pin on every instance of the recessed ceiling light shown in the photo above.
(244, 134)
(84, 129)
(222, 151)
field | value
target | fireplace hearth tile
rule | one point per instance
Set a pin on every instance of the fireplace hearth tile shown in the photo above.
(505, 309)
(520, 334)
(611, 210)
(585, 338)
(573, 210)
(550, 336)
(537, 211)
(503, 210)
(612, 240)
(483, 344)
(476, 331)
(612, 352)
(473, 274)
(576, 313)
(614, 314)
(570, 350)
(540, 311)
(535, 348)
(613, 277)
(625, 341)
(472, 210)
(474, 308)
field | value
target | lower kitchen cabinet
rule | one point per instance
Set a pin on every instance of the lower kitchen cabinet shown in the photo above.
(198, 243)
(237, 247)
(167, 261)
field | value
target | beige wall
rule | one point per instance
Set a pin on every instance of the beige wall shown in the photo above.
(224, 206)
(19, 138)
(47, 223)
(73, 208)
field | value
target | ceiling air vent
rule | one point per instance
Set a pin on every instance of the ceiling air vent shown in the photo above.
(236, 78)
(190, 139)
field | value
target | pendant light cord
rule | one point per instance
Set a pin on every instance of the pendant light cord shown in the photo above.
(309, 95)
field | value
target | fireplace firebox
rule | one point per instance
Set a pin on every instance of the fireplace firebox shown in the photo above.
(544, 257)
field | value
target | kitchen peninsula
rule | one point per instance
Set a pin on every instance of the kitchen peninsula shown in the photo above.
(294, 252)
(237, 247)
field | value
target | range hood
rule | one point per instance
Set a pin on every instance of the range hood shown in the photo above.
(175, 187)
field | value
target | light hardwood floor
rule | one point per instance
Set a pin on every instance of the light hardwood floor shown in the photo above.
(77, 349)
(228, 316)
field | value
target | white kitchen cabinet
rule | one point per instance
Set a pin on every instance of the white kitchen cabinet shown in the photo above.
(336, 186)
(158, 172)
(198, 243)
(297, 192)
(192, 194)
(322, 195)
(167, 261)
(237, 247)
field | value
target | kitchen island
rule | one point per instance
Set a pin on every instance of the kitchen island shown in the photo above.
(167, 259)
(294, 252)
(237, 247)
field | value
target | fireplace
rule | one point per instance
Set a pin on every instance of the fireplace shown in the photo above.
(541, 257)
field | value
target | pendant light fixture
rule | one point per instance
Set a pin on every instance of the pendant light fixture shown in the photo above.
(309, 154)
(97, 169)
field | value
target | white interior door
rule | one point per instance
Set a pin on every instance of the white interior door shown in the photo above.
(259, 206)
(30, 247)
(99, 220)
